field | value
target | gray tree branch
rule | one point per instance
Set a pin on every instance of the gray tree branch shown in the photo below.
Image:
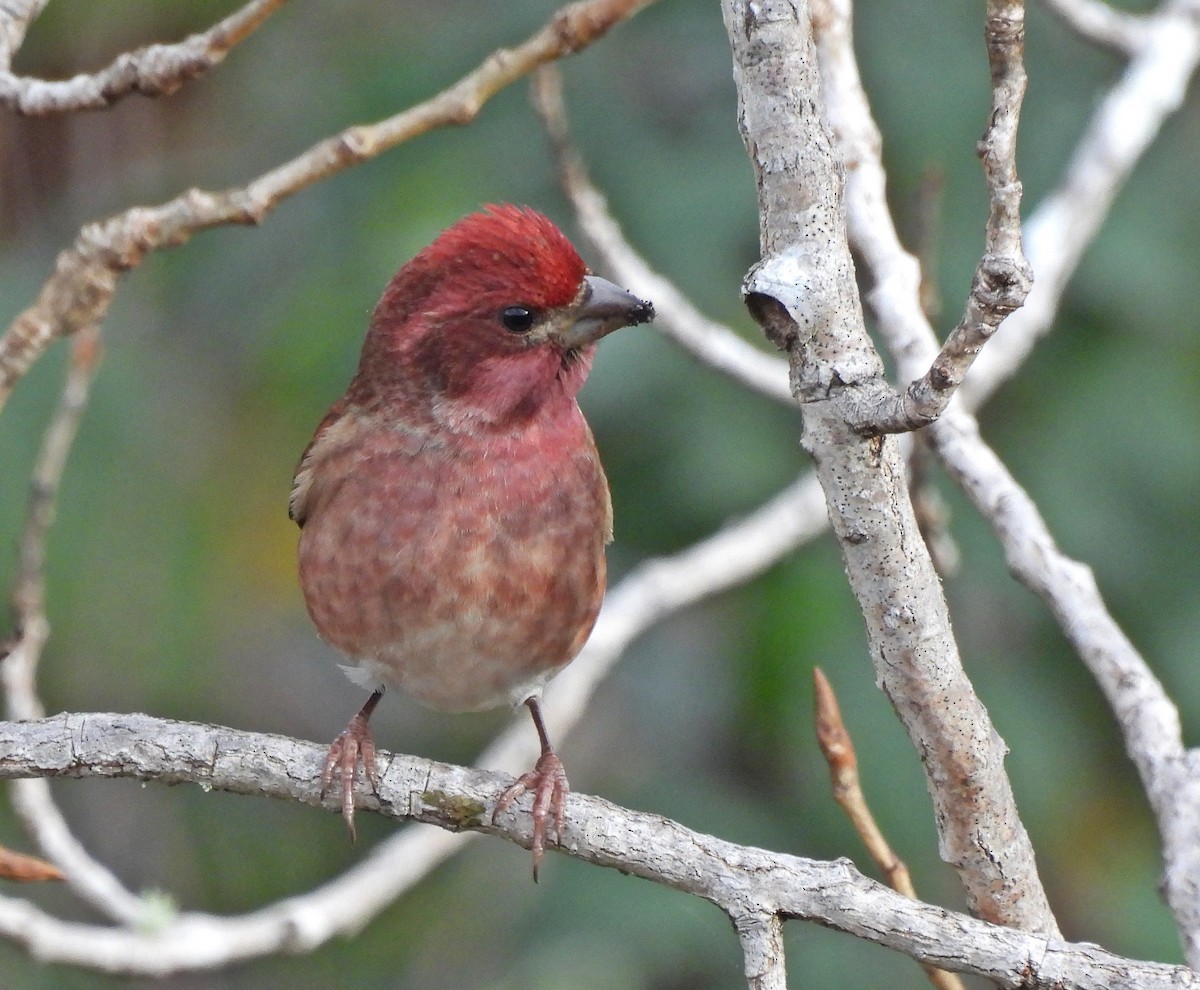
(1147, 718)
(676, 318)
(156, 70)
(1003, 277)
(81, 288)
(804, 295)
(742, 881)
(15, 18)
(1125, 123)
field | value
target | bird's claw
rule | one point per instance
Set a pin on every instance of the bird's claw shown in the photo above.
(353, 745)
(548, 781)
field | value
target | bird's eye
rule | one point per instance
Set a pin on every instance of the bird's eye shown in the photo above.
(518, 319)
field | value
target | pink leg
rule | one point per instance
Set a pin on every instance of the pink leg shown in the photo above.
(548, 781)
(354, 745)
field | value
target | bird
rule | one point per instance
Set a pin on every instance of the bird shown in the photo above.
(452, 506)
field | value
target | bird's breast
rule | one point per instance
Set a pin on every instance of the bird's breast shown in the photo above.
(463, 569)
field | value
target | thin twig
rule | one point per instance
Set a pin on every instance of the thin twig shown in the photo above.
(81, 288)
(1148, 719)
(838, 749)
(20, 868)
(29, 589)
(715, 344)
(1003, 277)
(15, 18)
(155, 70)
(1125, 123)
(31, 799)
(1101, 24)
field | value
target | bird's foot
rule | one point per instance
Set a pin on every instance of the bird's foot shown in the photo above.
(353, 745)
(548, 781)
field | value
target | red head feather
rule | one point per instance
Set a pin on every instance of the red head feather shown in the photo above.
(438, 323)
(508, 248)
(505, 255)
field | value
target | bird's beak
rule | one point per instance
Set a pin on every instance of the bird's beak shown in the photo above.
(605, 308)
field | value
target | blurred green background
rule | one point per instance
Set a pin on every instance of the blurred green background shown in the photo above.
(171, 579)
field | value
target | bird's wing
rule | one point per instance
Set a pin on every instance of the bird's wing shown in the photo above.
(331, 433)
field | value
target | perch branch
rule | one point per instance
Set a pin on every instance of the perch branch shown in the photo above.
(652, 591)
(740, 880)
(29, 588)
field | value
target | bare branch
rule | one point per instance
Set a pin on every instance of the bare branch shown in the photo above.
(26, 869)
(85, 277)
(761, 937)
(1145, 714)
(838, 749)
(15, 18)
(804, 294)
(155, 70)
(1148, 719)
(1101, 24)
(29, 589)
(710, 342)
(740, 880)
(31, 799)
(1003, 277)
(1063, 226)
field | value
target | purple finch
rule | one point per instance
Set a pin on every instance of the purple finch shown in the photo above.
(454, 511)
